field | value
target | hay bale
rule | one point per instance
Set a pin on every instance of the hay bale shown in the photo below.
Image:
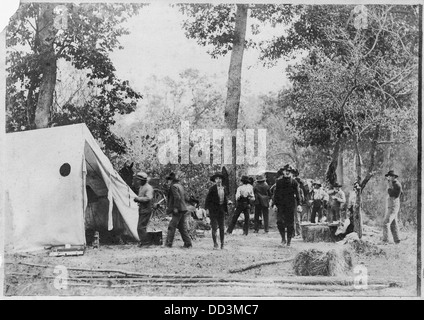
(314, 262)
(317, 233)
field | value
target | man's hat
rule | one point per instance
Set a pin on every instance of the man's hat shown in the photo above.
(391, 173)
(260, 178)
(337, 185)
(295, 172)
(244, 179)
(172, 177)
(216, 175)
(288, 167)
(141, 175)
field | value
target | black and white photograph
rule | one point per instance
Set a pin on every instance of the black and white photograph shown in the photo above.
(211, 150)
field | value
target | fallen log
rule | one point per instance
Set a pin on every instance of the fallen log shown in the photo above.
(127, 273)
(259, 264)
(309, 281)
(302, 280)
(232, 284)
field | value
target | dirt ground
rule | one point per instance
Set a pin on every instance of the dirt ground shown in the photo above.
(203, 272)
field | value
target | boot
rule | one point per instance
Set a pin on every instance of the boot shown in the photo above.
(288, 241)
(283, 237)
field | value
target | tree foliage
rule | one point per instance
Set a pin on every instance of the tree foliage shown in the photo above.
(357, 87)
(371, 84)
(213, 26)
(83, 35)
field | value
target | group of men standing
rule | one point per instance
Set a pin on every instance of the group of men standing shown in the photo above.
(290, 195)
(176, 206)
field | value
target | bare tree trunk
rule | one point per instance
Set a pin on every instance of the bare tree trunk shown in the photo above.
(234, 86)
(31, 107)
(339, 171)
(357, 215)
(371, 171)
(48, 60)
(295, 155)
(373, 151)
(331, 174)
(386, 168)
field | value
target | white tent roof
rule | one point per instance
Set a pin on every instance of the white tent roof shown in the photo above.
(43, 207)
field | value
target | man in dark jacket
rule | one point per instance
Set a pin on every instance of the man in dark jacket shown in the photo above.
(178, 208)
(216, 203)
(262, 196)
(286, 198)
(393, 205)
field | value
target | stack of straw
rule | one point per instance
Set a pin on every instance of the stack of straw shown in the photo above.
(313, 262)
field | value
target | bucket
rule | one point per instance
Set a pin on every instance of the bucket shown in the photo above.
(155, 237)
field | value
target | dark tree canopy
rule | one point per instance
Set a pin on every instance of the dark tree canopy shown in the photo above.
(214, 25)
(39, 36)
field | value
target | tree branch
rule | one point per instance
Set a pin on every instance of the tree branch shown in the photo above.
(390, 142)
(378, 33)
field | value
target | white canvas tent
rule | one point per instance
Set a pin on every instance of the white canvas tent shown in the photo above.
(58, 184)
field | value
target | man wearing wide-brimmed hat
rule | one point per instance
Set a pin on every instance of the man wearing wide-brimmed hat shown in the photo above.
(304, 193)
(178, 208)
(144, 200)
(338, 199)
(262, 196)
(393, 205)
(244, 195)
(216, 203)
(286, 198)
(319, 199)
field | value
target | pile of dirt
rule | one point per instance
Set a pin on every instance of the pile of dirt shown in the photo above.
(363, 247)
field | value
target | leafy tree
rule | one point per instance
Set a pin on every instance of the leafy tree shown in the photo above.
(192, 97)
(363, 90)
(222, 28)
(39, 36)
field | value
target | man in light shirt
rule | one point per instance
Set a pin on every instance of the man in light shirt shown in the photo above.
(319, 198)
(338, 199)
(394, 192)
(244, 195)
(144, 200)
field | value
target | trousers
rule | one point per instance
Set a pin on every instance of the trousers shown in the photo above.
(334, 213)
(143, 221)
(391, 220)
(285, 220)
(261, 211)
(217, 222)
(241, 207)
(297, 219)
(316, 210)
(179, 222)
